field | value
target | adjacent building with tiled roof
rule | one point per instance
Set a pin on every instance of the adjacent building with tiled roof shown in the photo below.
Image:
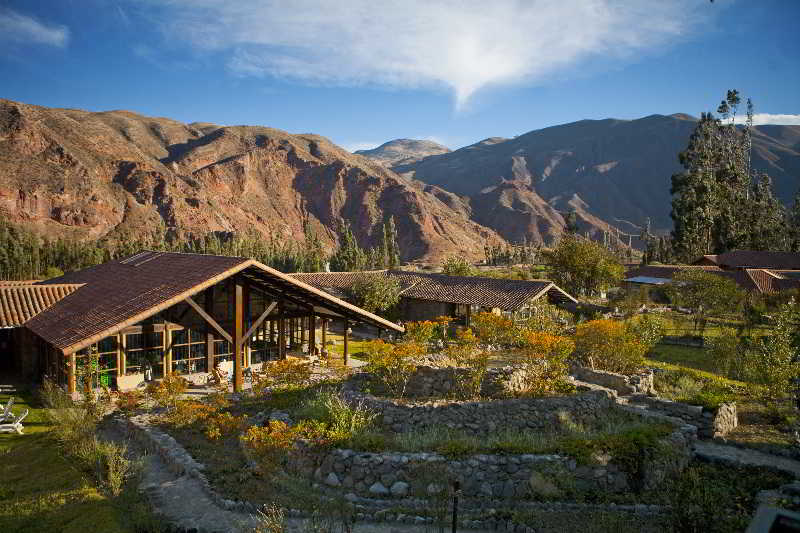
(21, 301)
(754, 280)
(743, 259)
(428, 295)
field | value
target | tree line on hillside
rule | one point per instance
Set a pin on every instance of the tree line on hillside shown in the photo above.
(25, 255)
(720, 202)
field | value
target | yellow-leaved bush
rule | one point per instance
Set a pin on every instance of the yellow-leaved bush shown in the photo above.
(392, 364)
(544, 357)
(609, 345)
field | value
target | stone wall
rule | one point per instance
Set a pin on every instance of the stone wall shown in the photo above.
(710, 423)
(443, 382)
(481, 418)
(641, 383)
(493, 477)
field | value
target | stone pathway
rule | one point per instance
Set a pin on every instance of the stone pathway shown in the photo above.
(722, 453)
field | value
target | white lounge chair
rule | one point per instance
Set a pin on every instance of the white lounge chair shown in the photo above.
(6, 414)
(16, 425)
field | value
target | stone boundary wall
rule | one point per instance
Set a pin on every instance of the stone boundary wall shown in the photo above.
(483, 418)
(711, 423)
(491, 477)
(641, 383)
(441, 382)
(366, 509)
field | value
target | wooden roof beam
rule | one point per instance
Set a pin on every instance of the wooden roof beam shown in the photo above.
(209, 319)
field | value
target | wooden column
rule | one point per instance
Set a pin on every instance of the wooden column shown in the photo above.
(302, 331)
(324, 332)
(346, 336)
(238, 330)
(469, 315)
(312, 334)
(167, 341)
(271, 331)
(248, 318)
(120, 356)
(71, 373)
(281, 333)
(209, 307)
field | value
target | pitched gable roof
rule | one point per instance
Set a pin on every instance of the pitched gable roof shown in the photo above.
(21, 301)
(505, 294)
(750, 279)
(754, 259)
(121, 293)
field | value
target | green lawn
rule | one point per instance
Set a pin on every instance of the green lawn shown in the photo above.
(42, 490)
(688, 356)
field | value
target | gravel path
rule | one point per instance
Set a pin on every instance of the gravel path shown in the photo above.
(730, 454)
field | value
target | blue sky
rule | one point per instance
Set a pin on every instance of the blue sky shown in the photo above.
(363, 72)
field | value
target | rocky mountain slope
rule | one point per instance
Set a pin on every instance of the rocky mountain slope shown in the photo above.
(617, 171)
(403, 151)
(115, 174)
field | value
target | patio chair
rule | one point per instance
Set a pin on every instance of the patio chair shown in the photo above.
(7, 414)
(16, 425)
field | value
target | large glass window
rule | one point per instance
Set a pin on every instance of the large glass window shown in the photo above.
(143, 350)
(97, 365)
(188, 352)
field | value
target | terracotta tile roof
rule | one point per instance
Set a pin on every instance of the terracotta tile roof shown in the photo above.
(124, 292)
(505, 294)
(755, 259)
(750, 279)
(20, 301)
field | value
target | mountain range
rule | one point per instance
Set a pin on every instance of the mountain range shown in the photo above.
(117, 174)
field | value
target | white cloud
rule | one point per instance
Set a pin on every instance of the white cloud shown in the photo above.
(760, 119)
(461, 45)
(22, 28)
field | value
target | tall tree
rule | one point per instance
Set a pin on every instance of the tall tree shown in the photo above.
(582, 266)
(718, 203)
(793, 224)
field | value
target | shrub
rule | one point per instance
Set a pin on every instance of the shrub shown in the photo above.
(494, 329)
(168, 391)
(547, 318)
(269, 520)
(129, 401)
(544, 359)
(341, 419)
(441, 323)
(464, 353)
(648, 329)
(608, 345)
(282, 373)
(456, 265)
(375, 293)
(419, 332)
(392, 364)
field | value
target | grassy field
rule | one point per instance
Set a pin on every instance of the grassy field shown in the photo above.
(42, 490)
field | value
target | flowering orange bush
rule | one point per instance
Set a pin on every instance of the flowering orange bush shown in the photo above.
(207, 417)
(282, 373)
(494, 329)
(128, 401)
(271, 443)
(393, 364)
(168, 391)
(609, 345)
(544, 358)
(419, 332)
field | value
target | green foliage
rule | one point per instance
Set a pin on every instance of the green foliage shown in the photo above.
(705, 293)
(719, 203)
(457, 265)
(708, 498)
(376, 293)
(463, 352)
(392, 364)
(494, 329)
(351, 257)
(609, 345)
(548, 318)
(582, 266)
(649, 329)
(341, 419)
(695, 387)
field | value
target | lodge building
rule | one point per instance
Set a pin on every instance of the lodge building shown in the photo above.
(157, 313)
